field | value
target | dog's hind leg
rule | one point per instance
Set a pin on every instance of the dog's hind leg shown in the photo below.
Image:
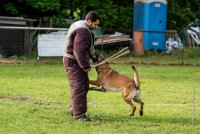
(141, 105)
(128, 101)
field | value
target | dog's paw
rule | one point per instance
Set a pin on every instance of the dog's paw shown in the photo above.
(132, 114)
(141, 113)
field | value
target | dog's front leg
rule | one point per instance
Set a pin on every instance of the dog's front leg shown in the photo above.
(99, 80)
(95, 82)
(100, 89)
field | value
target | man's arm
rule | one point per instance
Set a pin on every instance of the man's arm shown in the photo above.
(81, 48)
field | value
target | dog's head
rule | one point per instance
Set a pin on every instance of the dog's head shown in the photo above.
(101, 66)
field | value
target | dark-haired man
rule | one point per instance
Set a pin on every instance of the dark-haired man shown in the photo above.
(79, 48)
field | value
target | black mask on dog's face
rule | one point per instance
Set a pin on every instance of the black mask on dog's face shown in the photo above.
(100, 59)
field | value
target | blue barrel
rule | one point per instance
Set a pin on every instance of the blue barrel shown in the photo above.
(150, 17)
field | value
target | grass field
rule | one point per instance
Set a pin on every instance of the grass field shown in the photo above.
(34, 99)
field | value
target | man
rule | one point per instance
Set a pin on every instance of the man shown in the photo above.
(79, 48)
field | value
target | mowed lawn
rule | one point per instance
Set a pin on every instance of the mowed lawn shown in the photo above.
(34, 99)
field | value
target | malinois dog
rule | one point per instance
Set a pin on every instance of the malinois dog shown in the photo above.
(111, 80)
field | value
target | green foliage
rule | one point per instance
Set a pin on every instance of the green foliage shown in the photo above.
(116, 14)
(116, 17)
(182, 12)
(30, 8)
(44, 5)
(11, 8)
(193, 52)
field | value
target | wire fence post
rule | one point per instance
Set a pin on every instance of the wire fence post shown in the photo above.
(193, 107)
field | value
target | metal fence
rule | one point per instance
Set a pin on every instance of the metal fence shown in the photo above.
(27, 40)
(49, 42)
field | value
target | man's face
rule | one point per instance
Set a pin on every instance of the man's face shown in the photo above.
(93, 25)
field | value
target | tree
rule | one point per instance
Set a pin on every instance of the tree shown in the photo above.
(30, 8)
(182, 12)
(116, 14)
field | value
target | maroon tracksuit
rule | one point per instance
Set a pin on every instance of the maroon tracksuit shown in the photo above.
(78, 78)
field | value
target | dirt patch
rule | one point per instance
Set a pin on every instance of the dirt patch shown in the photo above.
(29, 99)
(6, 61)
(18, 98)
(15, 61)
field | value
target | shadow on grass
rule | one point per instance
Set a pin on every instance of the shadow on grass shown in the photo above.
(171, 120)
(144, 119)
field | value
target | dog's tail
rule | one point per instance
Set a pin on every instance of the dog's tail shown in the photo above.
(136, 77)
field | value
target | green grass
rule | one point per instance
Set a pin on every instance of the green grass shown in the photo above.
(35, 99)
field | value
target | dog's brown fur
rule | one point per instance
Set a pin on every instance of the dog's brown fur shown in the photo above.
(111, 80)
